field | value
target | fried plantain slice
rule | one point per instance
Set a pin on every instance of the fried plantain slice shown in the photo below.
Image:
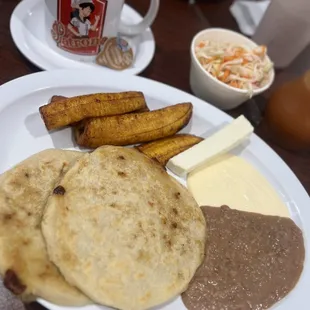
(164, 149)
(68, 111)
(133, 128)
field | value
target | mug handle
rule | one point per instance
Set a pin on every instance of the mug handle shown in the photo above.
(132, 30)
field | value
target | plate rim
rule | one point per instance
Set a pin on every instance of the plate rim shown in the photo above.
(91, 77)
(16, 31)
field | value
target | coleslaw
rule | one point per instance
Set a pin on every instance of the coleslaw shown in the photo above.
(235, 65)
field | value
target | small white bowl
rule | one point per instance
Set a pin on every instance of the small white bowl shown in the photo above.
(210, 89)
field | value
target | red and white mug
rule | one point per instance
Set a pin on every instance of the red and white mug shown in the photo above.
(81, 27)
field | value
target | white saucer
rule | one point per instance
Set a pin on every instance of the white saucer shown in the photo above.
(27, 29)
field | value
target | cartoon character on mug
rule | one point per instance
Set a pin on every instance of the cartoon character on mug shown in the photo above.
(80, 24)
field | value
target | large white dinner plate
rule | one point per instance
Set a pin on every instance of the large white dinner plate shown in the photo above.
(22, 133)
(28, 32)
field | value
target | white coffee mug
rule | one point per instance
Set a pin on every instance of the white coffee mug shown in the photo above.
(79, 28)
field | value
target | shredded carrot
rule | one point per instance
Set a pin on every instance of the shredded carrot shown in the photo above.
(235, 84)
(225, 75)
(202, 44)
(212, 58)
(228, 58)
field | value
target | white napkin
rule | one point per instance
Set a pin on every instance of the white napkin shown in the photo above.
(249, 14)
(8, 301)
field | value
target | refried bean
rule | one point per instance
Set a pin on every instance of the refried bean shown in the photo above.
(252, 261)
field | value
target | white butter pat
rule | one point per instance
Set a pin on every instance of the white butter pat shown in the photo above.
(219, 143)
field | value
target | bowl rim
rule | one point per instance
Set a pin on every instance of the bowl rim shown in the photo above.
(241, 91)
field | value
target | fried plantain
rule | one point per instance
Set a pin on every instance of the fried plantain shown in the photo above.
(56, 98)
(68, 111)
(133, 128)
(164, 149)
(145, 109)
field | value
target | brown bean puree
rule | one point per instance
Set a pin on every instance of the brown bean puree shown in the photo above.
(252, 261)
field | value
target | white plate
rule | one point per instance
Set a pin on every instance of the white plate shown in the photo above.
(28, 32)
(23, 134)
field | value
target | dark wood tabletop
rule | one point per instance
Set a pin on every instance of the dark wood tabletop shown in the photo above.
(177, 23)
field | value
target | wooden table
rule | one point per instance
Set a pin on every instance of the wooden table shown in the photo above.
(174, 28)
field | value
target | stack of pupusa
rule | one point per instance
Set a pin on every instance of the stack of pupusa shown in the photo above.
(119, 229)
(24, 263)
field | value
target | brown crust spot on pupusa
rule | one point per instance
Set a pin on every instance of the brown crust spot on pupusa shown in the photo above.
(26, 242)
(177, 195)
(59, 190)
(174, 225)
(169, 243)
(7, 217)
(27, 175)
(122, 174)
(121, 157)
(13, 283)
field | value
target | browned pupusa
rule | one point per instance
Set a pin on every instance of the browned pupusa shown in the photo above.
(142, 231)
(24, 264)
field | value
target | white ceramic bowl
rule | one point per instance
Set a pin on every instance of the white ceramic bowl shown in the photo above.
(210, 89)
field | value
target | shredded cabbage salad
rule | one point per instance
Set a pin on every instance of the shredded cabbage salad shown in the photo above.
(236, 65)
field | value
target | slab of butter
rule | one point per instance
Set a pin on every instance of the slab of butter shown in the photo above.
(219, 143)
